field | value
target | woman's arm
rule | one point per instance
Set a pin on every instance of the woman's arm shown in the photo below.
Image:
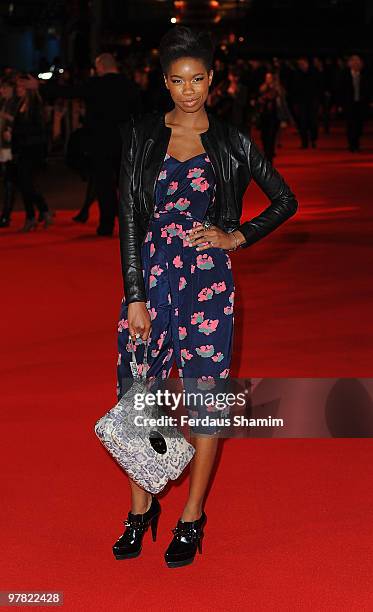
(133, 280)
(283, 202)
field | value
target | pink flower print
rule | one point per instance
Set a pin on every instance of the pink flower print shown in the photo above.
(164, 232)
(197, 317)
(164, 374)
(195, 172)
(205, 350)
(156, 215)
(199, 184)
(208, 326)
(169, 206)
(228, 262)
(182, 333)
(180, 370)
(129, 346)
(205, 262)
(218, 357)
(224, 373)
(148, 237)
(182, 283)
(119, 360)
(156, 270)
(142, 368)
(162, 175)
(219, 287)
(182, 204)
(161, 339)
(205, 382)
(185, 355)
(205, 294)
(177, 261)
(148, 304)
(122, 324)
(192, 268)
(228, 310)
(172, 187)
(168, 355)
(152, 249)
(152, 313)
(152, 281)
(207, 159)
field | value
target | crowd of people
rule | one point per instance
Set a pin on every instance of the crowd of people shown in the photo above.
(83, 117)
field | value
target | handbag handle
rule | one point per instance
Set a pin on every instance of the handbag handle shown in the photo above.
(134, 364)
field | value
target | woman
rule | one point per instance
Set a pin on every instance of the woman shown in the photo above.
(8, 108)
(183, 176)
(269, 99)
(29, 149)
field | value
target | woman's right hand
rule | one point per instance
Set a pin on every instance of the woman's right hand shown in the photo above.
(139, 321)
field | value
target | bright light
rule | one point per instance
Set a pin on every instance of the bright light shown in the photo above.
(45, 75)
(173, 19)
(60, 70)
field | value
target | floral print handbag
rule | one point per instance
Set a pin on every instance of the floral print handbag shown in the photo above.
(150, 455)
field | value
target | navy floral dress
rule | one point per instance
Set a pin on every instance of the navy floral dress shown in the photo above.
(190, 293)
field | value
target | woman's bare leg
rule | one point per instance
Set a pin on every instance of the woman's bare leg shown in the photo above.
(141, 499)
(200, 470)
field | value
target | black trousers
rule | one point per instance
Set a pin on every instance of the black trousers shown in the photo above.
(106, 176)
(269, 126)
(354, 124)
(29, 162)
(308, 122)
(9, 180)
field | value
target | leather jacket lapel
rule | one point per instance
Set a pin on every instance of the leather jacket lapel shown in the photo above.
(154, 151)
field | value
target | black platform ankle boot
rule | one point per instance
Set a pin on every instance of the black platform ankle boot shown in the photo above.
(187, 538)
(129, 544)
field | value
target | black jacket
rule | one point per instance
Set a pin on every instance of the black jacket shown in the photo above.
(29, 132)
(235, 160)
(110, 100)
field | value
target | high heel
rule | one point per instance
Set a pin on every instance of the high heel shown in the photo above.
(29, 226)
(47, 217)
(4, 221)
(129, 545)
(186, 541)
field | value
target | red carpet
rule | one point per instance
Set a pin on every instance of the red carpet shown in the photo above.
(289, 521)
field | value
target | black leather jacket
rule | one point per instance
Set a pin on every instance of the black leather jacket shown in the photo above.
(235, 160)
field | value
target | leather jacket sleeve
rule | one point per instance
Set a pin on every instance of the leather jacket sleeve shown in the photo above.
(283, 202)
(133, 280)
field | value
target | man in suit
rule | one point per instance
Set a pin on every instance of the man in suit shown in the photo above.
(110, 98)
(305, 92)
(353, 97)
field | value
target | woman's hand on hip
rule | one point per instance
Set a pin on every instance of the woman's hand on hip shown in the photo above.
(204, 238)
(139, 321)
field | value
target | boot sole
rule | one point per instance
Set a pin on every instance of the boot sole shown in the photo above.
(180, 563)
(127, 555)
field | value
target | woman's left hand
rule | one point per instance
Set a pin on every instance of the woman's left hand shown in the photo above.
(213, 236)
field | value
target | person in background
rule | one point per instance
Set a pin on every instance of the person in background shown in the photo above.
(306, 93)
(353, 99)
(29, 146)
(110, 98)
(8, 108)
(269, 122)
